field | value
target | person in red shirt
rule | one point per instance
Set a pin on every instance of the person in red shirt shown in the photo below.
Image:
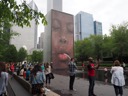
(12, 68)
(91, 75)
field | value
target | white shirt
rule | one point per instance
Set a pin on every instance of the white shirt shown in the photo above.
(117, 76)
(48, 70)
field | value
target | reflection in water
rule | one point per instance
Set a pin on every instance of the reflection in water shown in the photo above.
(83, 74)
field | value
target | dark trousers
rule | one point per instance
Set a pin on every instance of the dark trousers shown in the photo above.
(91, 85)
(71, 82)
(47, 79)
(118, 90)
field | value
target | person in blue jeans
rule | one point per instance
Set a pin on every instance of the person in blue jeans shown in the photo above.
(91, 75)
(72, 73)
(3, 79)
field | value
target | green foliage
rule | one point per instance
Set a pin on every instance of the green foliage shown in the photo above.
(97, 42)
(22, 54)
(12, 13)
(107, 46)
(19, 14)
(119, 36)
(91, 46)
(37, 56)
(97, 46)
(10, 54)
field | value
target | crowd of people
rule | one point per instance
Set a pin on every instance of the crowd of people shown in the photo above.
(117, 79)
(39, 75)
(36, 74)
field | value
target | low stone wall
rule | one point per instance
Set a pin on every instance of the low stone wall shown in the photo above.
(28, 87)
(23, 82)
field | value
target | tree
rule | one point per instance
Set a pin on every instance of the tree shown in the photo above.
(22, 54)
(5, 35)
(119, 34)
(91, 46)
(97, 42)
(20, 14)
(84, 49)
(107, 46)
(12, 13)
(37, 56)
(10, 54)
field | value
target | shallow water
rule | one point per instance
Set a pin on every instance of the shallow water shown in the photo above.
(83, 74)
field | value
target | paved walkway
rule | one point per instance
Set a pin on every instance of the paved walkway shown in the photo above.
(60, 85)
(18, 88)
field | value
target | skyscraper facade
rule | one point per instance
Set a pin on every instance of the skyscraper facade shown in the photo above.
(97, 28)
(84, 25)
(28, 35)
(54, 4)
(41, 41)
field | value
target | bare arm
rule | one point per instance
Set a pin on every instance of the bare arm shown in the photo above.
(97, 64)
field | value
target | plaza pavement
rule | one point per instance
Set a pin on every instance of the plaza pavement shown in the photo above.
(60, 85)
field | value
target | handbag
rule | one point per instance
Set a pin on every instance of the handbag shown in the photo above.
(51, 76)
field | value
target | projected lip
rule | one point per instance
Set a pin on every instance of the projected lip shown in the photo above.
(63, 57)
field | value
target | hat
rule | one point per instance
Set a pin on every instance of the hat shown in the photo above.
(90, 58)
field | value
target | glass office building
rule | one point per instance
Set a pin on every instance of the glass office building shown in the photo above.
(84, 25)
(97, 28)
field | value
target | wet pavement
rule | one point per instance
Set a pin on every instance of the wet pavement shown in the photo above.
(60, 85)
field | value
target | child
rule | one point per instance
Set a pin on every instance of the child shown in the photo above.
(106, 75)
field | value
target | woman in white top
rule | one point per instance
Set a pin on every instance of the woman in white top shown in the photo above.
(47, 72)
(117, 79)
(3, 78)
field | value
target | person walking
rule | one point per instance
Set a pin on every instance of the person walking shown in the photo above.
(72, 73)
(37, 80)
(117, 79)
(3, 79)
(91, 75)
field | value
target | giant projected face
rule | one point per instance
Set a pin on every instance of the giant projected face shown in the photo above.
(62, 38)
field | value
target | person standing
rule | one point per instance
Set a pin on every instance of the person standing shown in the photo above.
(105, 75)
(117, 79)
(72, 73)
(12, 68)
(47, 72)
(37, 80)
(91, 75)
(28, 74)
(3, 79)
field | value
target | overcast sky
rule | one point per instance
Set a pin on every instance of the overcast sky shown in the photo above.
(106, 11)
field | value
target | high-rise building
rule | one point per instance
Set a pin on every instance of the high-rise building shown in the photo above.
(41, 41)
(97, 28)
(28, 35)
(54, 4)
(84, 25)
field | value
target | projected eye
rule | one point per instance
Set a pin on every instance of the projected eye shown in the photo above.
(56, 25)
(70, 27)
